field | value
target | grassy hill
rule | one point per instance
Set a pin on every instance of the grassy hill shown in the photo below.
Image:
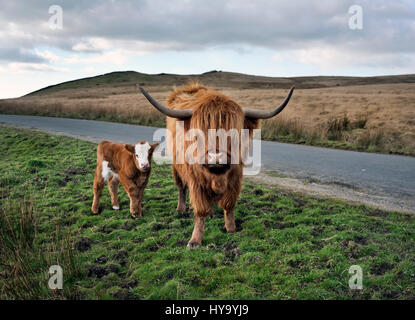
(220, 79)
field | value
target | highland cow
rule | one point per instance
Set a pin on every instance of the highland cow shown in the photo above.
(203, 109)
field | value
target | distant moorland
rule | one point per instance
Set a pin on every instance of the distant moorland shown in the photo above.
(373, 114)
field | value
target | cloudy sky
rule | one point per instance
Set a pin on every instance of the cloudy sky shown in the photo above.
(262, 37)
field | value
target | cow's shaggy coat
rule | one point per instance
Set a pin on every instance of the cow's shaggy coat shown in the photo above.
(202, 109)
(211, 109)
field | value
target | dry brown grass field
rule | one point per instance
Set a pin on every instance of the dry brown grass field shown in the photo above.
(366, 114)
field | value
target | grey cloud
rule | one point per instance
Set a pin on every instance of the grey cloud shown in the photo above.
(389, 26)
(19, 55)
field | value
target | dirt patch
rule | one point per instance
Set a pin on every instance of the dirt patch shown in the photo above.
(112, 268)
(83, 245)
(123, 294)
(351, 249)
(74, 171)
(83, 198)
(129, 225)
(105, 229)
(156, 226)
(131, 284)
(377, 213)
(381, 268)
(278, 225)
(231, 251)
(101, 271)
(96, 271)
(258, 192)
(238, 224)
(101, 259)
(181, 242)
(121, 255)
(361, 240)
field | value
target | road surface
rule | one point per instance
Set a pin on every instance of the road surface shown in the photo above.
(387, 180)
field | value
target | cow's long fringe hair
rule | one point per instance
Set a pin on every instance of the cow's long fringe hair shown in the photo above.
(211, 109)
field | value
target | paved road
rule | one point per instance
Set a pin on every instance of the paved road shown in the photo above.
(374, 174)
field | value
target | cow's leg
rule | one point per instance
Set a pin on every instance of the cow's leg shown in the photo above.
(228, 203)
(202, 207)
(228, 215)
(181, 204)
(198, 232)
(229, 221)
(133, 193)
(113, 183)
(98, 186)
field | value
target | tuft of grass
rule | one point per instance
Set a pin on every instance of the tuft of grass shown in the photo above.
(287, 245)
(26, 259)
(337, 126)
(361, 121)
(372, 140)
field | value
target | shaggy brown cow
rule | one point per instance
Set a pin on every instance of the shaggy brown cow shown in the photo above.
(125, 163)
(202, 108)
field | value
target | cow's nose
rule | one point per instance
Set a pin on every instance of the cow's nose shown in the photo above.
(145, 165)
(217, 157)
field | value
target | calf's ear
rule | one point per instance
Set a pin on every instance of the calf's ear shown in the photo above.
(154, 145)
(129, 148)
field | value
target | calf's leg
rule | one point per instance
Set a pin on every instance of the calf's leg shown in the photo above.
(139, 202)
(98, 186)
(113, 183)
(133, 193)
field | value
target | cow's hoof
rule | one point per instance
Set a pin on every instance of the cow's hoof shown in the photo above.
(116, 207)
(95, 211)
(193, 245)
(181, 208)
(136, 215)
(230, 229)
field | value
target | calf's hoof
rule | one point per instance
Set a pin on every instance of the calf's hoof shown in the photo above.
(116, 207)
(136, 215)
(193, 245)
(95, 210)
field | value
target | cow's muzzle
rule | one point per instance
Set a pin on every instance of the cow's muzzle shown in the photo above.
(217, 162)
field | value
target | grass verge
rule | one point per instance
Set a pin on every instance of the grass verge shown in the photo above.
(288, 246)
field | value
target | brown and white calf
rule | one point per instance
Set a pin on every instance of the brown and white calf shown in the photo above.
(125, 163)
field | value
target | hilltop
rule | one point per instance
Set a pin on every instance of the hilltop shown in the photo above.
(219, 79)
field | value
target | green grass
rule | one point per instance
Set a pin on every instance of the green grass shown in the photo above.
(288, 246)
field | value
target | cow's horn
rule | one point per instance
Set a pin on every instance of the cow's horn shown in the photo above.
(179, 114)
(266, 114)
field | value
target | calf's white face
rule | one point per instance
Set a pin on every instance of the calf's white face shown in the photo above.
(141, 155)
